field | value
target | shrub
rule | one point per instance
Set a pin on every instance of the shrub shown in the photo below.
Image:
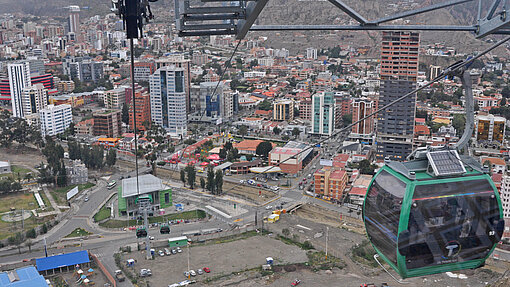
(31, 233)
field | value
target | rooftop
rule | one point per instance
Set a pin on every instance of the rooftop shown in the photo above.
(147, 183)
(62, 260)
(26, 276)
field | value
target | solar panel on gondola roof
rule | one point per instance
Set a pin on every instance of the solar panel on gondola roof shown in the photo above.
(445, 162)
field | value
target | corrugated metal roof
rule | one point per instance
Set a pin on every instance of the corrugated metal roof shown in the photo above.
(62, 260)
(26, 277)
(147, 183)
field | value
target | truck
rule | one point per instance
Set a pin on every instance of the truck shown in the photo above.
(119, 276)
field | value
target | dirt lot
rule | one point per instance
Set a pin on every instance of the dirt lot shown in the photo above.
(318, 214)
(223, 259)
(236, 263)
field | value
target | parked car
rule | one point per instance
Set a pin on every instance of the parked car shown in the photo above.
(161, 253)
(207, 270)
(145, 272)
(192, 273)
(269, 207)
(119, 276)
(167, 252)
(295, 282)
(200, 271)
(151, 237)
(179, 250)
(173, 251)
(86, 198)
(186, 274)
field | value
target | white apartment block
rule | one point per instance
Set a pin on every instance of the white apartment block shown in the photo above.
(311, 53)
(115, 99)
(55, 119)
(168, 100)
(33, 99)
(19, 78)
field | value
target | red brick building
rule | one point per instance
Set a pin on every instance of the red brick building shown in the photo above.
(143, 110)
(330, 183)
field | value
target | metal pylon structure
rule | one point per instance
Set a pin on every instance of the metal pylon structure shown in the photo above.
(238, 17)
(143, 207)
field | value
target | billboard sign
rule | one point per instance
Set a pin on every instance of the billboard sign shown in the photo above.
(72, 193)
(326, 162)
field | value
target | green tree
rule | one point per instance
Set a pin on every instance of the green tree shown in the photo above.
(218, 181)
(222, 153)
(17, 239)
(505, 92)
(347, 119)
(366, 168)
(62, 176)
(277, 130)
(227, 146)
(44, 228)
(31, 233)
(125, 114)
(191, 172)
(211, 183)
(459, 123)
(74, 150)
(265, 105)
(29, 243)
(202, 183)
(243, 130)
(111, 157)
(264, 148)
(295, 132)
(183, 176)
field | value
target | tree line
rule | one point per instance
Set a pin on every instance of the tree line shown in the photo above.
(213, 183)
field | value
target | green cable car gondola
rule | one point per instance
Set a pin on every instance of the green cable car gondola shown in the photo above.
(141, 232)
(164, 229)
(435, 214)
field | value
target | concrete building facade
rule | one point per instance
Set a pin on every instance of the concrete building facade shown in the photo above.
(323, 113)
(399, 71)
(168, 100)
(55, 120)
(107, 123)
(19, 79)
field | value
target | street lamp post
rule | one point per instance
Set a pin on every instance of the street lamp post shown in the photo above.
(327, 233)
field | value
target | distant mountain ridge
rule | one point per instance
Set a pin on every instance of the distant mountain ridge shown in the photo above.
(303, 12)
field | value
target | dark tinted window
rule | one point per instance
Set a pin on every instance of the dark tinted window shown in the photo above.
(451, 222)
(382, 213)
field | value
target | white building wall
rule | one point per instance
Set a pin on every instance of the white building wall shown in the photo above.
(55, 119)
(19, 78)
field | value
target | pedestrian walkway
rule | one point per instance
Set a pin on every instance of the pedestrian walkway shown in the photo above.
(51, 199)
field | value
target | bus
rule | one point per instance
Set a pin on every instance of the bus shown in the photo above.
(112, 184)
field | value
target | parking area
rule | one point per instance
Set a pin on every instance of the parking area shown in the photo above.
(223, 259)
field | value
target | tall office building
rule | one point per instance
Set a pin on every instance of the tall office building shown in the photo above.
(55, 119)
(179, 61)
(323, 113)
(399, 70)
(143, 110)
(19, 78)
(34, 99)
(283, 110)
(311, 53)
(115, 99)
(211, 106)
(361, 107)
(74, 19)
(168, 99)
(107, 123)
